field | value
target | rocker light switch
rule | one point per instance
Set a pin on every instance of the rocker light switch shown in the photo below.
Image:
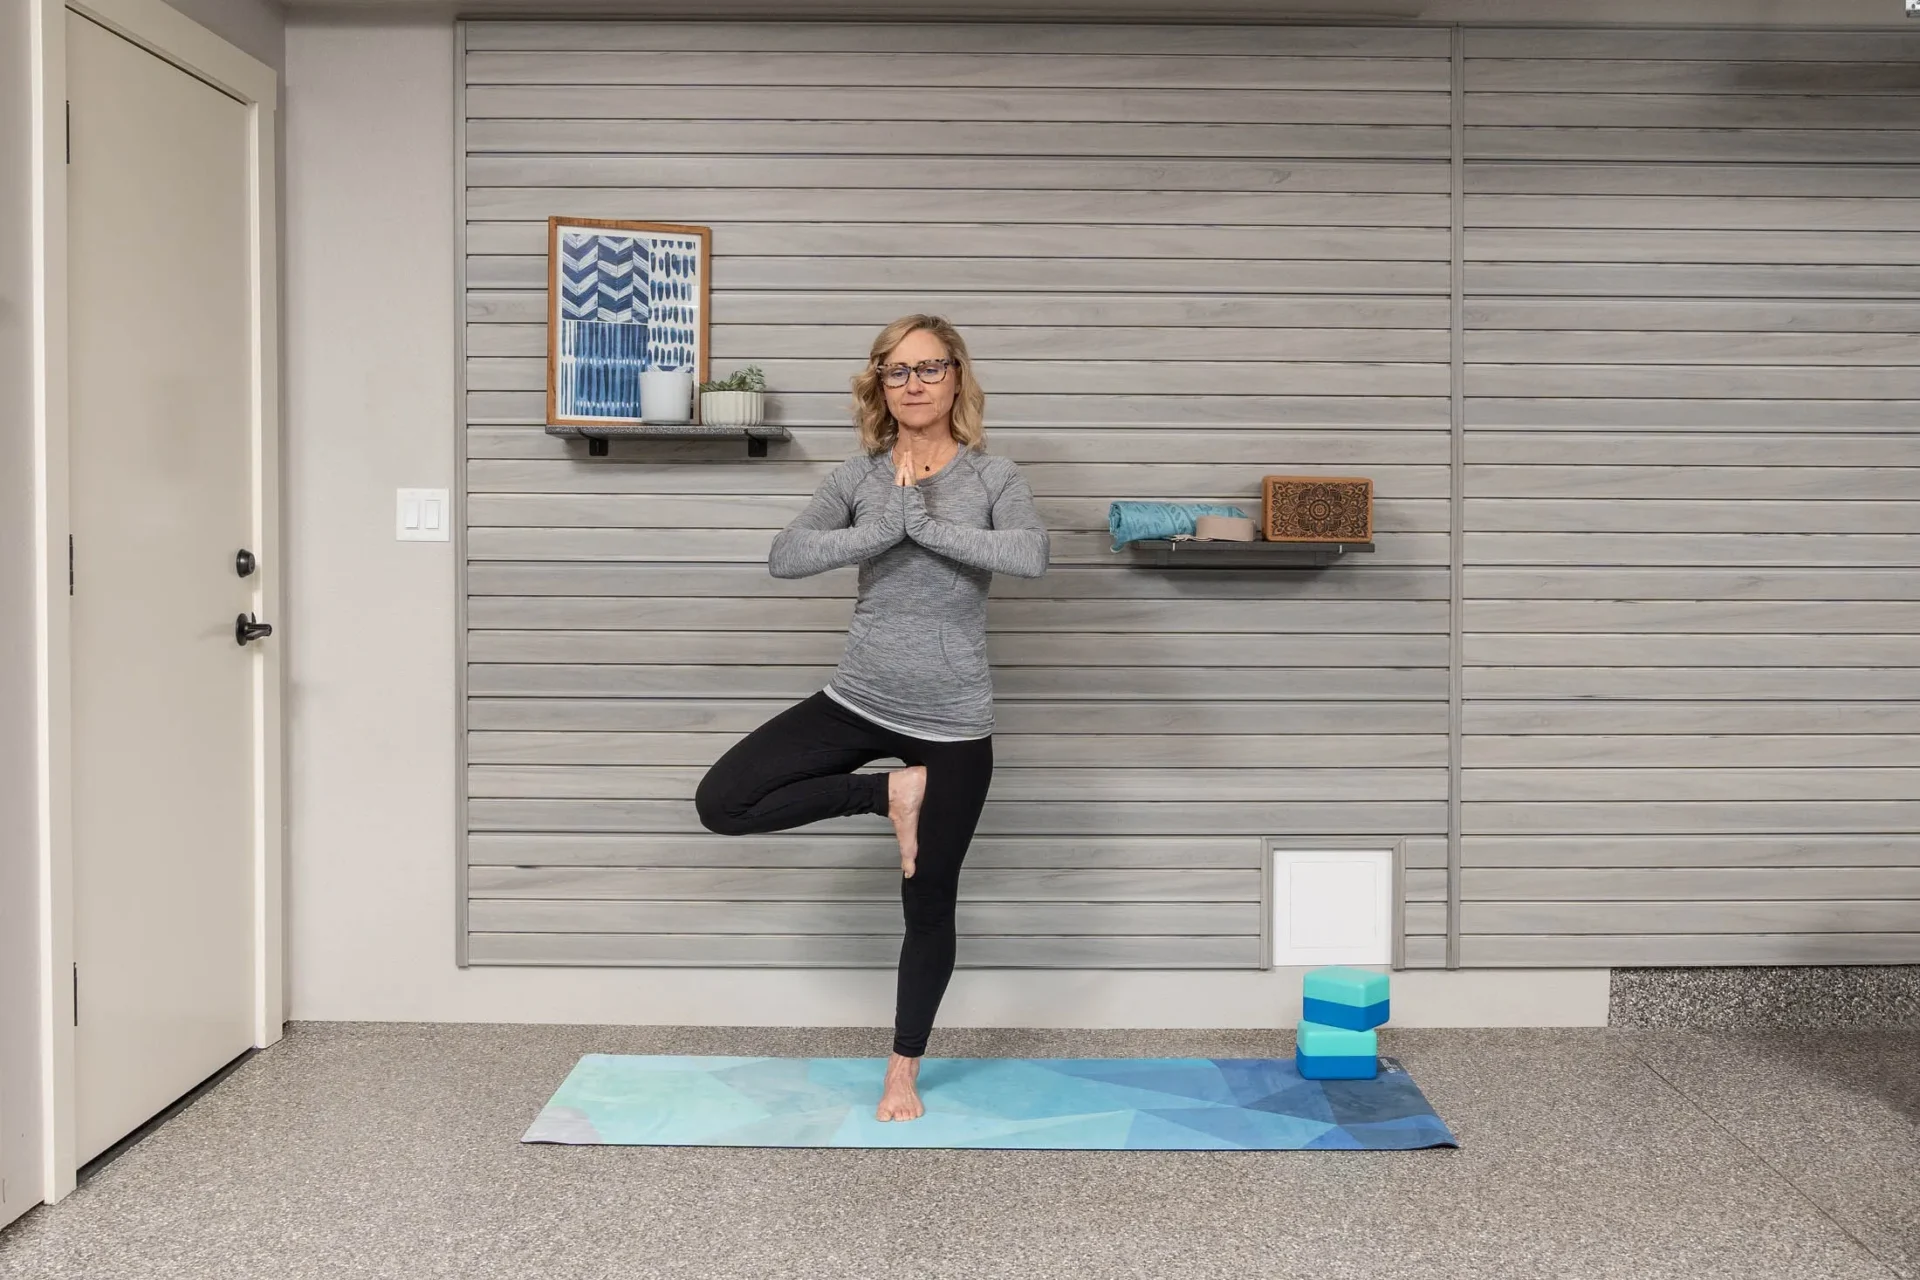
(422, 516)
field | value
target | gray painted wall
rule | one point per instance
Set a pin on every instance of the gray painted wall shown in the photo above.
(1187, 259)
(256, 27)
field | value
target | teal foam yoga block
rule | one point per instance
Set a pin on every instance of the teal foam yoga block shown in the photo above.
(1321, 1052)
(1318, 1040)
(1338, 996)
(1342, 984)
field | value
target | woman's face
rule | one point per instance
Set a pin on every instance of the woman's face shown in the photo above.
(919, 405)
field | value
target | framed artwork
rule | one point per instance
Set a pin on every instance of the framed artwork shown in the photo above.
(627, 320)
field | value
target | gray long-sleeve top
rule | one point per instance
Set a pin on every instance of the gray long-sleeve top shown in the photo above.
(916, 653)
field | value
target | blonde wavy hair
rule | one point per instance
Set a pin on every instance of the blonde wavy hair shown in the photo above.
(878, 430)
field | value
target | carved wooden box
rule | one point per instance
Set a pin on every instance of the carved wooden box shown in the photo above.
(1316, 508)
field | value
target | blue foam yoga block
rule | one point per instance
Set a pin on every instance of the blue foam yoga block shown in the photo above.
(1336, 1068)
(1338, 996)
(1321, 1052)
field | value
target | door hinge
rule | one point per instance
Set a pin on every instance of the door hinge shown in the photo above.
(69, 131)
(76, 993)
(69, 564)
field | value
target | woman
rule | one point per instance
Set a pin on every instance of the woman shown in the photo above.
(930, 518)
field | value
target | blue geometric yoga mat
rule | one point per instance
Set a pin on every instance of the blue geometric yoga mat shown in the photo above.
(1105, 1104)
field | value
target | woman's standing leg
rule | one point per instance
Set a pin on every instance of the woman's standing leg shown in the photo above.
(958, 774)
(796, 768)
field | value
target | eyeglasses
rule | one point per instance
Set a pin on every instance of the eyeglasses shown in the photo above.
(930, 371)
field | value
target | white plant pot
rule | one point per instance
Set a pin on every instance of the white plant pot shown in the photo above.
(666, 395)
(733, 408)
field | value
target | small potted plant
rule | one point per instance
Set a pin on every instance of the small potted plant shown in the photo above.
(739, 400)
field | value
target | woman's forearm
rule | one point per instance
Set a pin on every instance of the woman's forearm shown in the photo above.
(805, 548)
(1017, 544)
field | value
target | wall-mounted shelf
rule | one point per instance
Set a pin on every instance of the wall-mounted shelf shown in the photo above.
(1197, 551)
(597, 436)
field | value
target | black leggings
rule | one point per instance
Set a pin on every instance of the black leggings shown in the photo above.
(797, 768)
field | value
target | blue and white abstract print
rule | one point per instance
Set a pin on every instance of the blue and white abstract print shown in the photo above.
(629, 301)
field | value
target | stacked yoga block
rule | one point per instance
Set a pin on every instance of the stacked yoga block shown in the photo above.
(1335, 1039)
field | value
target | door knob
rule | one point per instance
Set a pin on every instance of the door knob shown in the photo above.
(245, 628)
(244, 564)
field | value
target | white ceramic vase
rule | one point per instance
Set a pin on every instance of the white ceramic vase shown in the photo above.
(733, 408)
(666, 395)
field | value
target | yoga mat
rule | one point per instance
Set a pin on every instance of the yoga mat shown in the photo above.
(1104, 1104)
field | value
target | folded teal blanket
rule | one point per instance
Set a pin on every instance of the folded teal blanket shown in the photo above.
(1132, 521)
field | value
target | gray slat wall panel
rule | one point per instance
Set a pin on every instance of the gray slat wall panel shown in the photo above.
(1023, 38)
(1091, 719)
(1091, 309)
(1190, 256)
(1176, 820)
(1009, 749)
(933, 71)
(1422, 910)
(1066, 138)
(610, 782)
(1208, 920)
(1053, 410)
(860, 951)
(1637, 950)
(1058, 889)
(1692, 685)
(1185, 258)
(785, 851)
(1039, 192)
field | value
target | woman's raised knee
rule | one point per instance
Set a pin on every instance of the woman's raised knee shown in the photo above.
(709, 801)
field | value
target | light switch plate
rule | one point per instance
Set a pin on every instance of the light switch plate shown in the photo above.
(423, 515)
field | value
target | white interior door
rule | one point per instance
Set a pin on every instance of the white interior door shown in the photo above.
(162, 469)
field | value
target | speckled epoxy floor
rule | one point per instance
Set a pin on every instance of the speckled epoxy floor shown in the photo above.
(353, 1150)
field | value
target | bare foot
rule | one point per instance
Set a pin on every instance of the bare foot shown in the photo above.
(906, 788)
(899, 1100)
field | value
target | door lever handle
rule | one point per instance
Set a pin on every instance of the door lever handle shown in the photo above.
(246, 628)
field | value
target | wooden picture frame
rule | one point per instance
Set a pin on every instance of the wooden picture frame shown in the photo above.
(599, 335)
